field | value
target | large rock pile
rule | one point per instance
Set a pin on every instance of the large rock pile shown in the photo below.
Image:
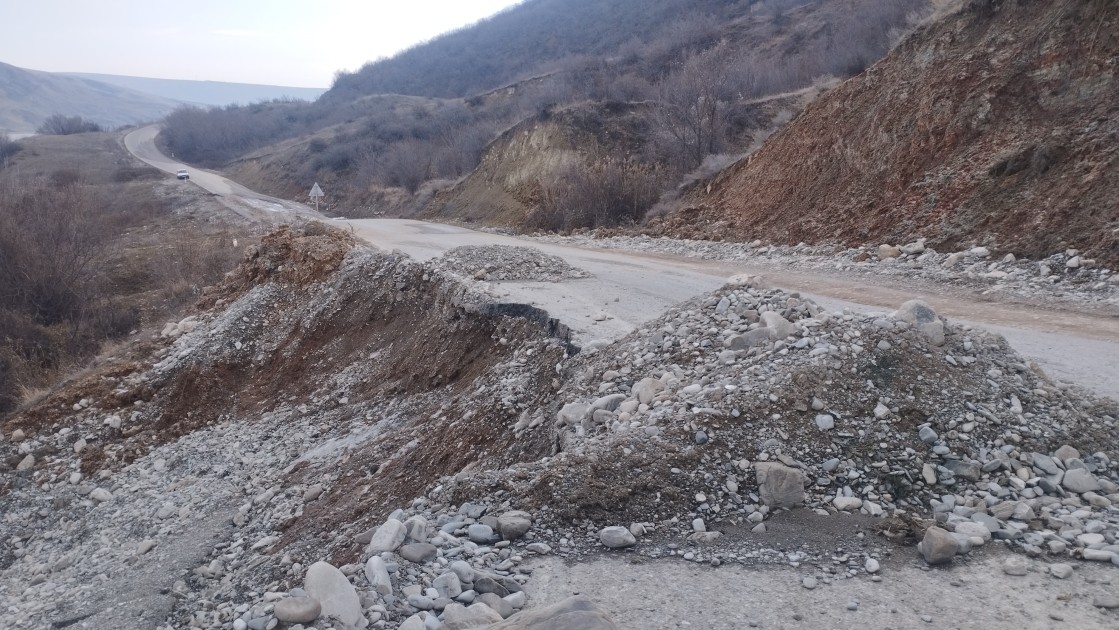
(758, 399)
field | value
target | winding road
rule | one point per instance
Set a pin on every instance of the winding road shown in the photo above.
(628, 288)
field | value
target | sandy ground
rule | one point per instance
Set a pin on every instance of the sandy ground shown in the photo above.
(673, 593)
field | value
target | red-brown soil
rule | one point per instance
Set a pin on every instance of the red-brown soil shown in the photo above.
(995, 125)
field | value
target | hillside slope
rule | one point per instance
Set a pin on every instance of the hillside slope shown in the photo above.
(995, 125)
(27, 97)
(591, 164)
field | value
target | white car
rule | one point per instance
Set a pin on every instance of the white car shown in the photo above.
(182, 174)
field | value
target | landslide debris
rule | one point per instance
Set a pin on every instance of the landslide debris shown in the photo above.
(994, 125)
(375, 446)
(505, 262)
(1064, 278)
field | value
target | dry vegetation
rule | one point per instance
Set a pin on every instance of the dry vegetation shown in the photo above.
(93, 246)
(388, 137)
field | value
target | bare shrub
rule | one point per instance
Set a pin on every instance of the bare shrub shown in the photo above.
(127, 174)
(606, 192)
(60, 125)
(405, 165)
(8, 148)
(690, 109)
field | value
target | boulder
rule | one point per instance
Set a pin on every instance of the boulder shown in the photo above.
(779, 485)
(500, 606)
(418, 552)
(459, 617)
(938, 546)
(448, 585)
(1079, 480)
(573, 613)
(388, 537)
(923, 318)
(301, 609)
(482, 534)
(334, 592)
(616, 537)
(912, 249)
(514, 524)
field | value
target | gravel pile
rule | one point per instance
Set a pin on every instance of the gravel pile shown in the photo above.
(504, 262)
(1065, 277)
(784, 404)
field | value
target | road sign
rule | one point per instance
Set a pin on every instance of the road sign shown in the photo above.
(316, 193)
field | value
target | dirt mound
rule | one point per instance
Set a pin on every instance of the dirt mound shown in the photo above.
(504, 262)
(995, 125)
(288, 255)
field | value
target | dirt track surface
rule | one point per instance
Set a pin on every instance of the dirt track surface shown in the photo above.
(630, 288)
(662, 594)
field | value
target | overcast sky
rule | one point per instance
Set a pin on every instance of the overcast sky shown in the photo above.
(298, 43)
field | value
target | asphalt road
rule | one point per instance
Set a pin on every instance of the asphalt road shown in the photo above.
(249, 204)
(629, 288)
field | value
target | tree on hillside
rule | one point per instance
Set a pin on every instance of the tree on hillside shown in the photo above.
(59, 125)
(690, 104)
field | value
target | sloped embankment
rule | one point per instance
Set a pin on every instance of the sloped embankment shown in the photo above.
(995, 125)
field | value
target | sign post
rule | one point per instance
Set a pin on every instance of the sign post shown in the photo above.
(316, 194)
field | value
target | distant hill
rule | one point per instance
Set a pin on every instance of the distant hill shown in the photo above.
(205, 92)
(27, 97)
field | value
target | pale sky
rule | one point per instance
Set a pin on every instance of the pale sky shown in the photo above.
(297, 43)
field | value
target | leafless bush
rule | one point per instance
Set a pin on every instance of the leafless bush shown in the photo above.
(690, 108)
(8, 148)
(405, 165)
(60, 125)
(605, 192)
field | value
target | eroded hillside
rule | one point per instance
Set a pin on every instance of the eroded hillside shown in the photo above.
(996, 125)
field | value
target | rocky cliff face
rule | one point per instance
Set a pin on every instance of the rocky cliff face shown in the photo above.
(995, 125)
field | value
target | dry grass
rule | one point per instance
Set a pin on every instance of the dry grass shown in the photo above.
(142, 249)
